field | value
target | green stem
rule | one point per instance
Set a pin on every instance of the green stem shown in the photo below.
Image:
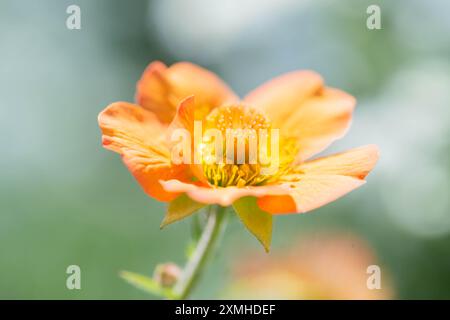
(216, 222)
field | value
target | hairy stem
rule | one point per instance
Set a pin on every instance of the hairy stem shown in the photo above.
(215, 224)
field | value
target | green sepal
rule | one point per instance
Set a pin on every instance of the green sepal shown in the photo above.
(257, 221)
(180, 208)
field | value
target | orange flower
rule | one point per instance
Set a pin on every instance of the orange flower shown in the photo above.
(309, 115)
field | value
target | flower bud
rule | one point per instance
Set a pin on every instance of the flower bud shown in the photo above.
(167, 274)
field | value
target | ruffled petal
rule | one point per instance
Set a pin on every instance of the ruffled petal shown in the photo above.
(162, 88)
(357, 163)
(300, 105)
(318, 182)
(281, 96)
(126, 126)
(187, 113)
(148, 169)
(138, 136)
(309, 193)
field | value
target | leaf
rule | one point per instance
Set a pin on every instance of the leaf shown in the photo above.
(146, 284)
(257, 221)
(179, 208)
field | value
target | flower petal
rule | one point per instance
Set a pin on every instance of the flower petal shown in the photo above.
(300, 105)
(355, 163)
(278, 204)
(222, 196)
(323, 180)
(320, 121)
(138, 136)
(128, 126)
(187, 113)
(162, 88)
(309, 193)
(281, 96)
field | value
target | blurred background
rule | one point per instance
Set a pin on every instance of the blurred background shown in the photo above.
(65, 200)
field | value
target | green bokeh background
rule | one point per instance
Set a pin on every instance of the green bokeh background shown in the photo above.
(65, 200)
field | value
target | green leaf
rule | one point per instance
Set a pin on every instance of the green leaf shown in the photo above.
(146, 284)
(257, 221)
(179, 208)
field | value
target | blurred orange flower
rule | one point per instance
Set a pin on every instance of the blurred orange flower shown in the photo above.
(319, 266)
(309, 115)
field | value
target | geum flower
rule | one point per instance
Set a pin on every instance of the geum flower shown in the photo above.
(309, 115)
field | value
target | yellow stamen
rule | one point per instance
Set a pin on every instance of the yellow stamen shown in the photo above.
(246, 174)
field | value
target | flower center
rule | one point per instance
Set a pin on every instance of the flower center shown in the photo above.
(244, 130)
(237, 117)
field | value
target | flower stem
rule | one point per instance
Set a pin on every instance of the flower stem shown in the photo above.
(215, 224)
